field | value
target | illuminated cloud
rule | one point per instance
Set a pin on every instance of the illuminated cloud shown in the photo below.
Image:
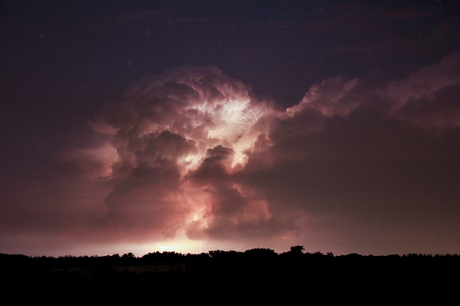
(180, 139)
(193, 155)
(333, 96)
(426, 97)
(429, 97)
(198, 153)
(365, 161)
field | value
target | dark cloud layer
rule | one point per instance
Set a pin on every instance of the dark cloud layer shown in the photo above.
(360, 164)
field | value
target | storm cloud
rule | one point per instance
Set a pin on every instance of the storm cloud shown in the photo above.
(196, 153)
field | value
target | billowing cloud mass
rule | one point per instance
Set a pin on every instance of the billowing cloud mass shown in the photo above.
(182, 138)
(359, 165)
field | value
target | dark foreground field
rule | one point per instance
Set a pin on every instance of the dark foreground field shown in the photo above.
(258, 274)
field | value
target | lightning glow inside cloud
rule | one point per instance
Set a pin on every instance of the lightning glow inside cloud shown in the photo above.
(182, 137)
(191, 137)
(192, 159)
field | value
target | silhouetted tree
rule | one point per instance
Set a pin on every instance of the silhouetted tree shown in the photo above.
(259, 254)
(297, 249)
(115, 257)
(128, 256)
(224, 255)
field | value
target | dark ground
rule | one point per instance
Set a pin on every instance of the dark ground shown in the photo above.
(219, 276)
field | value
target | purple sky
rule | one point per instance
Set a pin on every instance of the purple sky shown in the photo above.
(199, 125)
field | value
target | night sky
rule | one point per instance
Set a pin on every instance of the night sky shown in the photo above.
(141, 126)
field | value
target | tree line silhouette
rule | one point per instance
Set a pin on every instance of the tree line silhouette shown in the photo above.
(295, 254)
(242, 273)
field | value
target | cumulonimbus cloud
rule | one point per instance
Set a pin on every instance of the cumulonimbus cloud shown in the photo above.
(198, 152)
(195, 151)
(180, 138)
